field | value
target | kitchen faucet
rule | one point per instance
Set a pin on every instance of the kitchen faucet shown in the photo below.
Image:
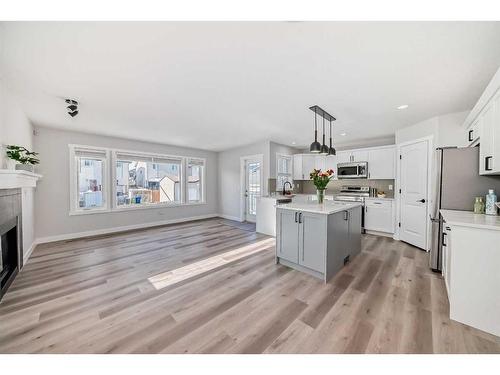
(284, 185)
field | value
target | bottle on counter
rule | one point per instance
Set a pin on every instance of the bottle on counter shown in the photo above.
(491, 199)
(479, 205)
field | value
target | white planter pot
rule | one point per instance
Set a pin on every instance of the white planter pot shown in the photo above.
(25, 167)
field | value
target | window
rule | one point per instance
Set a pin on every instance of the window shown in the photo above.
(147, 180)
(89, 179)
(195, 180)
(139, 180)
(283, 170)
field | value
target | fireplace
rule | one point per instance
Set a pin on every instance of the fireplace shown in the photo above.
(10, 237)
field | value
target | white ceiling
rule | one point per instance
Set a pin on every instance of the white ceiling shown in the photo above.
(217, 85)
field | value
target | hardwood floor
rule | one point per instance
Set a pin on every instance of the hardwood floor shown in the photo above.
(212, 287)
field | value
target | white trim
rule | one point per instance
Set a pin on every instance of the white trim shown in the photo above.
(229, 217)
(27, 254)
(13, 179)
(73, 176)
(98, 232)
(430, 161)
(259, 157)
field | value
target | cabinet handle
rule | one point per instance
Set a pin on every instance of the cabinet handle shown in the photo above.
(487, 163)
(300, 217)
(346, 215)
(443, 242)
(377, 202)
(296, 216)
(471, 138)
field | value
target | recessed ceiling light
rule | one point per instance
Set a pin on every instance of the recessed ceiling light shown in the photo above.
(404, 106)
(293, 142)
(343, 134)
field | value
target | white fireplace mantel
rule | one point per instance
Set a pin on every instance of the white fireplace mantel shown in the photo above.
(13, 179)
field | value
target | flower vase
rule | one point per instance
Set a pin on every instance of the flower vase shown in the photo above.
(320, 193)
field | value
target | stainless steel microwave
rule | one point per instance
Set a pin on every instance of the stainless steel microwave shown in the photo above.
(352, 170)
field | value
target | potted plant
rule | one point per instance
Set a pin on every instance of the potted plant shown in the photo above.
(26, 159)
(321, 180)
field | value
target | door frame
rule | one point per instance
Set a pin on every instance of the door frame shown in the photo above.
(430, 163)
(243, 159)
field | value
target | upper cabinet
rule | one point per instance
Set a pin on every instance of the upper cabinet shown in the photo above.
(382, 163)
(482, 126)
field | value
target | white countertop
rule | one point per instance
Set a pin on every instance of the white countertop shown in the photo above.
(326, 208)
(470, 219)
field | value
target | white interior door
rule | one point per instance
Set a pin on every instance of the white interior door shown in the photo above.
(414, 186)
(253, 187)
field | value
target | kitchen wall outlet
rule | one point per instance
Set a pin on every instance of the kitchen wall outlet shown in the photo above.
(390, 187)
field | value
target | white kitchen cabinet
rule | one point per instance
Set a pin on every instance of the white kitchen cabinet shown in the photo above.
(343, 157)
(379, 215)
(446, 254)
(382, 163)
(486, 149)
(319, 162)
(308, 164)
(359, 155)
(297, 167)
(482, 126)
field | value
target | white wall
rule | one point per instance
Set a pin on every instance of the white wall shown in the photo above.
(446, 130)
(52, 200)
(229, 176)
(15, 128)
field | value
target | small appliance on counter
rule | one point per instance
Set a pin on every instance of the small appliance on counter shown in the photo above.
(491, 200)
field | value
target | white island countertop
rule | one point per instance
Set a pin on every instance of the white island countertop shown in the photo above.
(470, 219)
(327, 208)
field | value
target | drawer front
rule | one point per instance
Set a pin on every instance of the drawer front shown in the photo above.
(378, 203)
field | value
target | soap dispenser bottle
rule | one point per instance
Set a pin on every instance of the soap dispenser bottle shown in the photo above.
(491, 199)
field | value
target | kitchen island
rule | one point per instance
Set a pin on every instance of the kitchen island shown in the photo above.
(318, 239)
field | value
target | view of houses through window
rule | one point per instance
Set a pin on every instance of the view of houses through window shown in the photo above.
(140, 180)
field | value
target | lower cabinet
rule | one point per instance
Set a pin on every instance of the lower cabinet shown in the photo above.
(319, 244)
(379, 215)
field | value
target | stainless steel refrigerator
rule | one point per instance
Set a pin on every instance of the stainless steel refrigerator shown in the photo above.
(457, 184)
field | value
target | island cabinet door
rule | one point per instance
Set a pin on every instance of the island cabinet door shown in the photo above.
(312, 241)
(288, 235)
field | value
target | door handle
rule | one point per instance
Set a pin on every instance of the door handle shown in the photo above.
(487, 163)
(421, 201)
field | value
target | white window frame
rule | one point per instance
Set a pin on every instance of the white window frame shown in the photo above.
(151, 155)
(109, 180)
(203, 181)
(290, 173)
(73, 196)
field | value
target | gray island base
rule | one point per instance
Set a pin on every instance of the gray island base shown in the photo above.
(318, 239)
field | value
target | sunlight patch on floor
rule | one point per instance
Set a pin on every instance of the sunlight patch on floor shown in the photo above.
(191, 270)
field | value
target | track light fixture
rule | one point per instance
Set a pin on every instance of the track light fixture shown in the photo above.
(72, 107)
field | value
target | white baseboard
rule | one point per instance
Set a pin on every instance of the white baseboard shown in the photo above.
(71, 236)
(27, 254)
(229, 217)
(377, 233)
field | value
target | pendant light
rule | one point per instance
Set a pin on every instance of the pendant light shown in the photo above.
(324, 147)
(331, 150)
(315, 146)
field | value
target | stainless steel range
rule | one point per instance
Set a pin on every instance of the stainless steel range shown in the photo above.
(355, 194)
